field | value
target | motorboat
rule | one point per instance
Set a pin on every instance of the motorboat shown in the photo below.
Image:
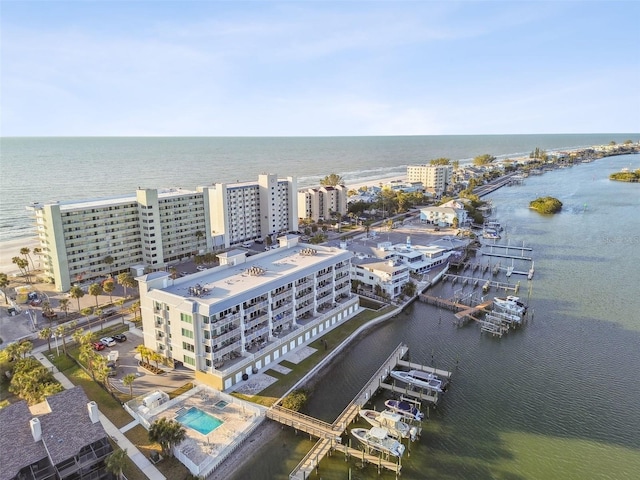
(490, 233)
(390, 420)
(510, 304)
(378, 439)
(421, 379)
(406, 409)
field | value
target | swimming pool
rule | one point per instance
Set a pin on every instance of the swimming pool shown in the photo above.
(199, 421)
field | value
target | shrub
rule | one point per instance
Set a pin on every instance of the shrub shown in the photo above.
(295, 400)
(546, 205)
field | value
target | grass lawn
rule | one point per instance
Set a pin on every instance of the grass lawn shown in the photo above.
(273, 392)
(170, 467)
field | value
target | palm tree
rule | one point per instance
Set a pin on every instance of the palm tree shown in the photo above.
(98, 313)
(108, 287)
(77, 293)
(86, 312)
(63, 305)
(127, 281)
(45, 334)
(127, 381)
(156, 357)
(120, 303)
(134, 309)
(144, 352)
(23, 265)
(4, 283)
(61, 332)
(168, 433)
(95, 289)
(26, 251)
(108, 261)
(331, 180)
(116, 462)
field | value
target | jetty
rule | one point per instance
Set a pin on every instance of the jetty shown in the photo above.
(330, 435)
(504, 251)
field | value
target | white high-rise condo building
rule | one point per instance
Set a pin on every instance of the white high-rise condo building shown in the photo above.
(228, 322)
(435, 178)
(156, 227)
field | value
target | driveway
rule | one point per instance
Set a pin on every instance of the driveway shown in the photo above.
(145, 381)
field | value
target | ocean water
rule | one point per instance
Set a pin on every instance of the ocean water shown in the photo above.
(558, 398)
(60, 168)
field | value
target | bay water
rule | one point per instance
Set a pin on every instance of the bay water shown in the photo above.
(557, 399)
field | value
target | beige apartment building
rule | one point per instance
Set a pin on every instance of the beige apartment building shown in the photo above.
(320, 203)
(155, 228)
(435, 178)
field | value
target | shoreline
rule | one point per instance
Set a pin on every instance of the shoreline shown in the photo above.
(11, 248)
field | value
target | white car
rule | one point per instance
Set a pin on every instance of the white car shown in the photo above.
(200, 268)
(247, 244)
(108, 341)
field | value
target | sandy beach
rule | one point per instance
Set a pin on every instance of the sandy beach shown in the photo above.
(11, 248)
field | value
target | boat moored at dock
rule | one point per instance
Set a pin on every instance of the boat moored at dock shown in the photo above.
(421, 379)
(406, 409)
(378, 439)
(510, 304)
(390, 420)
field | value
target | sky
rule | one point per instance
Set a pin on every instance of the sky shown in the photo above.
(318, 68)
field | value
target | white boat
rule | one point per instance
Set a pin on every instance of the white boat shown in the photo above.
(392, 421)
(378, 439)
(490, 234)
(406, 409)
(421, 379)
(510, 304)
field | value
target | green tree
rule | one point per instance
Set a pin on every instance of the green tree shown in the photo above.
(86, 312)
(126, 281)
(109, 286)
(135, 308)
(483, 159)
(61, 332)
(26, 251)
(295, 400)
(96, 290)
(45, 334)
(120, 302)
(32, 382)
(77, 293)
(108, 261)
(332, 180)
(546, 205)
(168, 433)
(23, 265)
(127, 381)
(155, 357)
(440, 161)
(116, 462)
(4, 283)
(409, 289)
(145, 352)
(63, 305)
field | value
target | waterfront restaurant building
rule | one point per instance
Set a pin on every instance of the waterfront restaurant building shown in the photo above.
(154, 228)
(229, 322)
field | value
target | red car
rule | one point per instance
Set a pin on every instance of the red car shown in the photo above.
(98, 345)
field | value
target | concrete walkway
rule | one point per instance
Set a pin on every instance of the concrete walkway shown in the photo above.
(134, 454)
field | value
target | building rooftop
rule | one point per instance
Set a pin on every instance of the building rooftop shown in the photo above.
(259, 273)
(66, 427)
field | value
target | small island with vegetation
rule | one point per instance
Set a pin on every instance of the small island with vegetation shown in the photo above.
(626, 176)
(546, 205)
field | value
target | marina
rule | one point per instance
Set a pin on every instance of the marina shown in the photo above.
(330, 435)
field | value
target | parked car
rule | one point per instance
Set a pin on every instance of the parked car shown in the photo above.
(247, 244)
(120, 338)
(98, 345)
(108, 341)
(50, 315)
(201, 268)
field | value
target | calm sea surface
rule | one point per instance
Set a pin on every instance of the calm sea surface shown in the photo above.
(48, 169)
(557, 399)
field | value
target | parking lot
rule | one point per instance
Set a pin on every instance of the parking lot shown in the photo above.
(145, 381)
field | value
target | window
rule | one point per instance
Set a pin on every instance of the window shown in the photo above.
(189, 360)
(187, 333)
(186, 318)
(188, 346)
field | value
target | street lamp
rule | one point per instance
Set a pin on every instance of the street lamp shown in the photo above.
(57, 349)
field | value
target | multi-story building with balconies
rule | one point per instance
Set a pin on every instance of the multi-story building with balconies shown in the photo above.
(157, 227)
(322, 203)
(435, 178)
(229, 322)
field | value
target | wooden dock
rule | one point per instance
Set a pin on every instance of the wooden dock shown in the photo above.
(330, 435)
